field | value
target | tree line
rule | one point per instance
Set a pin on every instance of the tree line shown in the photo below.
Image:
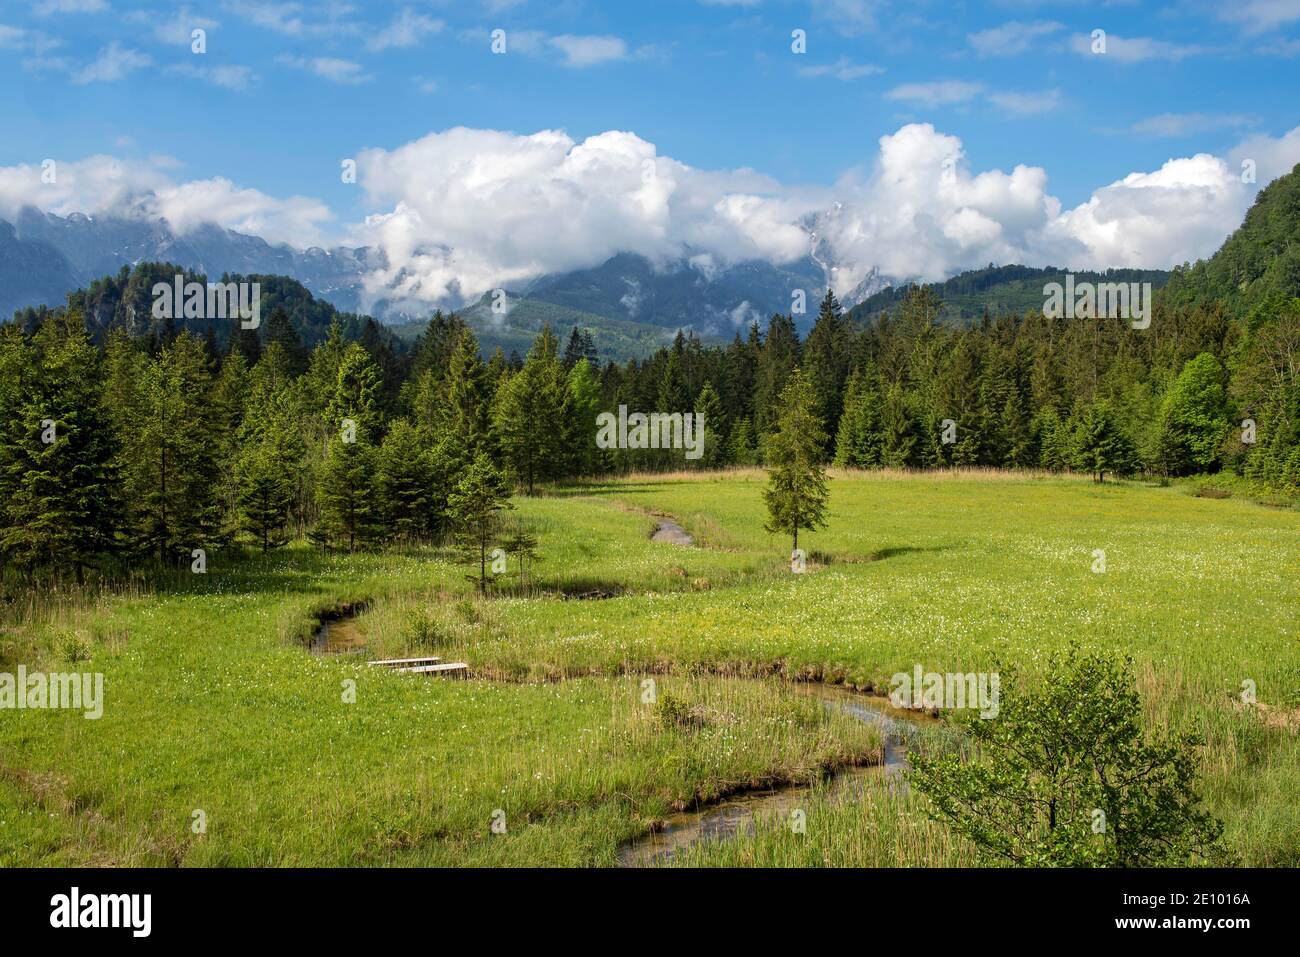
(148, 448)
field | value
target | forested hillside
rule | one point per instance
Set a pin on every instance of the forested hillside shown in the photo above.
(124, 437)
(995, 290)
(1259, 264)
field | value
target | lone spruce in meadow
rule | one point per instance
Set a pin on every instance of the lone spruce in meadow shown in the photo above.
(796, 483)
(473, 505)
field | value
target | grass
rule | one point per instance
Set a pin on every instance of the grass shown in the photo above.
(213, 705)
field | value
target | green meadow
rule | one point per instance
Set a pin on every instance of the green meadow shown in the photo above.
(552, 752)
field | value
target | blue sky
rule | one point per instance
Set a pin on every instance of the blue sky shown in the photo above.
(285, 91)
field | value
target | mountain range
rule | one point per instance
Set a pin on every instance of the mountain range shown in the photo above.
(631, 306)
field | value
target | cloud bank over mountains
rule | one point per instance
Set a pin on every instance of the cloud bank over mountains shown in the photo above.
(462, 211)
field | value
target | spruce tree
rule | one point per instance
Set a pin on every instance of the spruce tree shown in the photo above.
(480, 494)
(270, 460)
(171, 463)
(826, 363)
(529, 415)
(714, 429)
(796, 486)
(1100, 445)
(346, 494)
(467, 408)
(404, 483)
(859, 441)
(62, 509)
(585, 401)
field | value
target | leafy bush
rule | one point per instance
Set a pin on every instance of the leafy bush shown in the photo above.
(1064, 776)
(72, 647)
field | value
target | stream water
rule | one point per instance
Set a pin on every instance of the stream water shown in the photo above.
(726, 819)
(337, 636)
(669, 531)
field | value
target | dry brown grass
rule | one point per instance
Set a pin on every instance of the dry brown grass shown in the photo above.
(963, 473)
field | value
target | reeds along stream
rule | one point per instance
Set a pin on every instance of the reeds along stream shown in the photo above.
(727, 819)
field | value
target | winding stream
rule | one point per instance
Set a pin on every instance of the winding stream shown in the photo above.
(339, 633)
(728, 818)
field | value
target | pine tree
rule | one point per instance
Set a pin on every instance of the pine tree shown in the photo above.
(584, 400)
(62, 505)
(171, 463)
(279, 331)
(357, 393)
(1100, 445)
(740, 448)
(859, 442)
(404, 483)
(712, 431)
(826, 363)
(467, 412)
(530, 413)
(777, 358)
(573, 349)
(270, 460)
(479, 495)
(1054, 441)
(346, 495)
(897, 430)
(266, 495)
(796, 487)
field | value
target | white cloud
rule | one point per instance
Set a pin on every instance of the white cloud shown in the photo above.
(849, 17)
(1180, 212)
(296, 19)
(113, 63)
(228, 75)
(1280, 47)
(936, 93)
(49, 8)
(570, 50)
(465, 210)
(1030, 103)
(18, 38)
(47, 64)
(296, 220)
(279, 17)
(1184, 124)
(462, 211)
(1011, 38)
(346, 72)
(1273, 157)
(842, 69)
(407, 30)
(1260, 16)
(1135, 49)
(582, 51)
(177, 29)
(107, 185)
